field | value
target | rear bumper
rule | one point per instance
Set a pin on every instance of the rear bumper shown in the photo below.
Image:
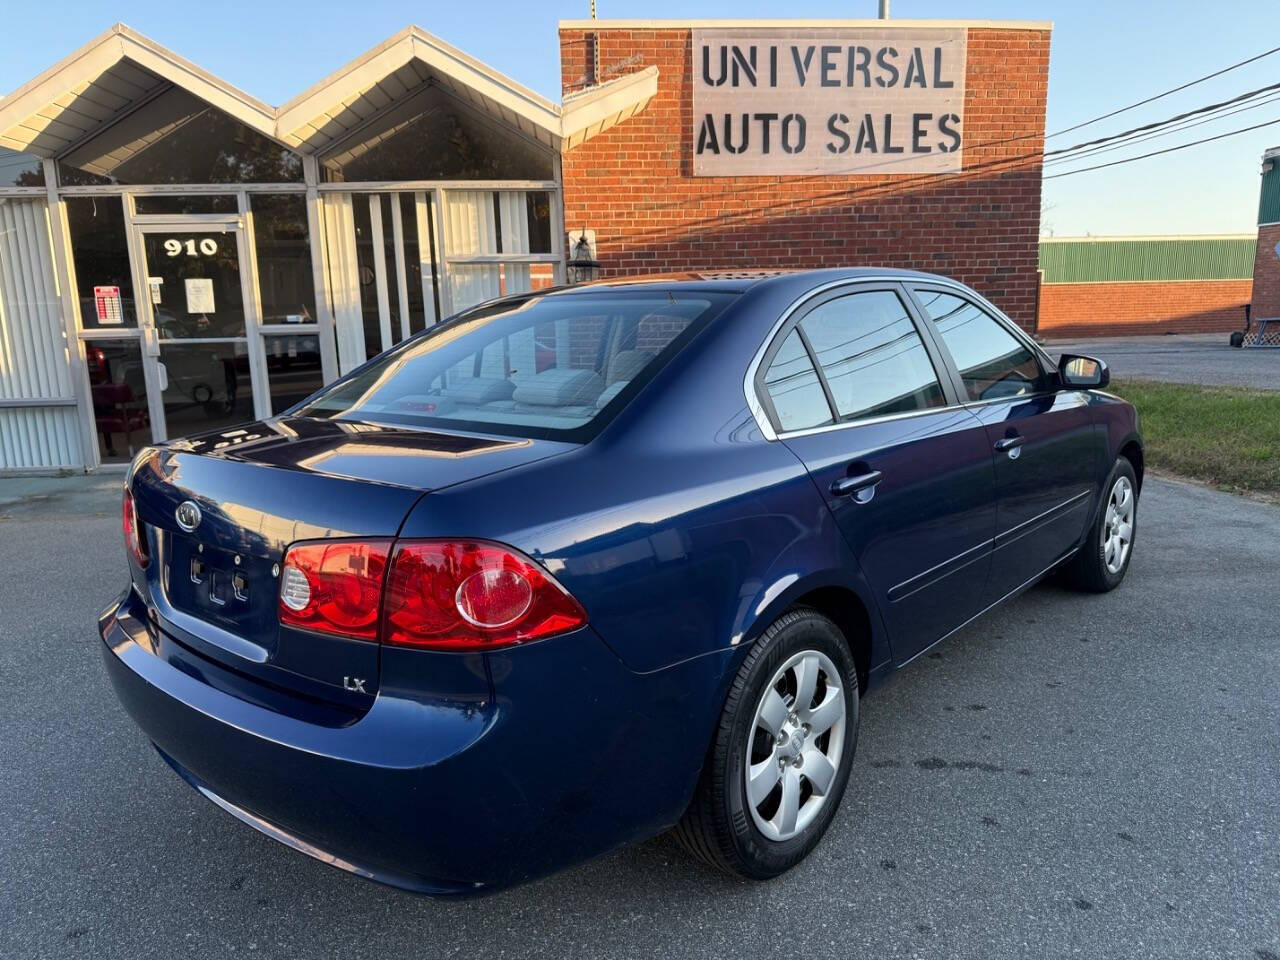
(569, 755)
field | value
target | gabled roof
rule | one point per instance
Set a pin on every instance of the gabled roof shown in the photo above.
(105, 80)
(121, 70)
(401, 65)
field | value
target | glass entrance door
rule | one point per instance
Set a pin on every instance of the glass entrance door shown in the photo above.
(196, 326)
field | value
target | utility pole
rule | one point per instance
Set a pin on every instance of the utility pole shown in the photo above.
(884, 9)
(595, 47)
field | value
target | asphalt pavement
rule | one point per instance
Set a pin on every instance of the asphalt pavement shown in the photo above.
(1203, 358)
(1091, 776)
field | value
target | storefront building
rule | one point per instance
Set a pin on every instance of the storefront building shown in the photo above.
(176, 255)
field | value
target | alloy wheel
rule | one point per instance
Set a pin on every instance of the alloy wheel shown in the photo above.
(1117, 525)
(795, 745)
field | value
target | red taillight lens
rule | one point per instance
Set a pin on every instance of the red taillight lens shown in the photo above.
(135, 539)
(469, 595)
(334, 586)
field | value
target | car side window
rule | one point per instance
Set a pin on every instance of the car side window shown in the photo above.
(872, 356)
(794, 388)
(993, 363)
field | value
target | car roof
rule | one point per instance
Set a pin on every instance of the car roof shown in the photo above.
(738, 280)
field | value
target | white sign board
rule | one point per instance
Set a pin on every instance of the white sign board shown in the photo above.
(199, 295)
(827, 100)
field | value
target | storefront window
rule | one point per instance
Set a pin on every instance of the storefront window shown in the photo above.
(178, 138)
(100, 254)
(430, 138)
(194, 284)
(208, 387)
(20, 169)
(411, 295)
(282, 243)
(119, 395)
(294, 369)
(169, 205)
(538, 208)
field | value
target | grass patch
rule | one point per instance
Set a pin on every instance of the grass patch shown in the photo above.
(1226, 436)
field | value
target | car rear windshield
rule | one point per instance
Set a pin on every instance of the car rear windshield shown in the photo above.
(556, 366)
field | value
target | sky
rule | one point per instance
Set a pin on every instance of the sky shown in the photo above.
(1104, 55)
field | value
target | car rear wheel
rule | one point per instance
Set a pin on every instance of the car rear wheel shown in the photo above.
(780, 759)
(1104, 559)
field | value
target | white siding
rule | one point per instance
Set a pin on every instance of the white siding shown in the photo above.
(34, 363)
(39, 438)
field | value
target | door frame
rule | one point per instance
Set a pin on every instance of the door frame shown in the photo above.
(152, 346)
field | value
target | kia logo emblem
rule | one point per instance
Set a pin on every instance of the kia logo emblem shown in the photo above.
(187, 515)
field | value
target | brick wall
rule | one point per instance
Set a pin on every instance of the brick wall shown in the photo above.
(1266, 273)
(1151, 306)
(633, 184)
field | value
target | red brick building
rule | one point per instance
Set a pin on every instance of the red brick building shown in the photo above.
(1118, 286)
(635, 184)
(1266, 268)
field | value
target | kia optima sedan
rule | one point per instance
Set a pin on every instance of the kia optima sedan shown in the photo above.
(579, 566)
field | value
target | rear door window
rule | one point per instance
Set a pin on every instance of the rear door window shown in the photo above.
(993, 363)
(871, 355)
(551, 366)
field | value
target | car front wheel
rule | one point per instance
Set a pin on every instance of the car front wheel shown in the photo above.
(1104, 559)
(780, 760)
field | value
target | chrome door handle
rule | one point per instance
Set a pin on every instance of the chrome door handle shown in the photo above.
(848, 485)
(1008, 443)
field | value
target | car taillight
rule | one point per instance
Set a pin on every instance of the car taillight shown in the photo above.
(439, 594)
(472, 595)
(334, 586)
(135, 539)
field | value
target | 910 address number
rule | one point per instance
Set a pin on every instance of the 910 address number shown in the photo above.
(207, 246)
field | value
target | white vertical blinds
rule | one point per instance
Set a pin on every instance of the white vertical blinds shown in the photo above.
(344, 279)
(514, 216)
(479, 231)
(34, 362)
(473, 230)
(470, 230)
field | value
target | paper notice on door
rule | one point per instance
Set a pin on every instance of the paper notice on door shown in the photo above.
(199, 295)
(106, 300)
(155, 283)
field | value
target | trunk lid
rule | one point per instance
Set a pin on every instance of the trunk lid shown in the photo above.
(213, 584)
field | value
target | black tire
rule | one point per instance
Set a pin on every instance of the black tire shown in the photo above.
(718, 827)
(1089, 570)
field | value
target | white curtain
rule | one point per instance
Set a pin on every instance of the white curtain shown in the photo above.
(472, 230)
(344, 279)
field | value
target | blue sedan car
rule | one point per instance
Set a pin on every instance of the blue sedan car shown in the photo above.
(580, 566)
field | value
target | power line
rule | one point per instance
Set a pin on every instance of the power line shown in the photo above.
(1177, 128)
(1156, 153)
(1159, 96)
(1156, 124)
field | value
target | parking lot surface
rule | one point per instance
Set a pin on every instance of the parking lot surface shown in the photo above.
(1204, 358)
(1092, 776)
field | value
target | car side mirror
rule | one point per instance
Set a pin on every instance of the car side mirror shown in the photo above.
(1085, 373)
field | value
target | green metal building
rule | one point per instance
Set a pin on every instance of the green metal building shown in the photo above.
(1129, 259)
